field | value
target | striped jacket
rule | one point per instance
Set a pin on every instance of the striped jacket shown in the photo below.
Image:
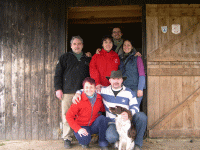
(125, 98)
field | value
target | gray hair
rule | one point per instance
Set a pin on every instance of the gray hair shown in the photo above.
(76, 37)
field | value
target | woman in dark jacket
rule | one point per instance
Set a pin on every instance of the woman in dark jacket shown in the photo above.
(132, 67)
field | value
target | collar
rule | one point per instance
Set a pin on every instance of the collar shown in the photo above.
(117, 41)
(103, 51)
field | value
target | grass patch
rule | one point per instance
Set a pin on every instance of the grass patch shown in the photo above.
(1, 144)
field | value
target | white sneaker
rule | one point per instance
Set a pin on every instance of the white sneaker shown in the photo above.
(116, 145)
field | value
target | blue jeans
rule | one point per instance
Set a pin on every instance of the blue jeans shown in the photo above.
(140, 122)
(99, 126)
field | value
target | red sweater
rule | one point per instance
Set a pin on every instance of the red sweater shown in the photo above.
(101, 66)
(82, 114)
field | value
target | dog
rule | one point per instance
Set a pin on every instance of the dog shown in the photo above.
(126, 130)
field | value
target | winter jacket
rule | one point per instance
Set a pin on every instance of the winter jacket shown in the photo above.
(70, 72)
(133, 69)
(101, 66)
(82, 113)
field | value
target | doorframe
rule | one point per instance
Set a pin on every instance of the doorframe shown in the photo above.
(144, 51)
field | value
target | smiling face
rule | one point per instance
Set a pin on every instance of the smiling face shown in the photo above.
(76, 46)
(127, 46)
(89, 89)
(117, 34)
(107, 45)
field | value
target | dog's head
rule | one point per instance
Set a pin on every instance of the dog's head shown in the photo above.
(118, 110)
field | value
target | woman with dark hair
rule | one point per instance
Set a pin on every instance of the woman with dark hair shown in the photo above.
(132, 67)
(84, 117)
(103, 63)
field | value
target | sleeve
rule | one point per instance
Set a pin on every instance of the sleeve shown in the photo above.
(71, 115)
(133, 104)
(140, 66)
(79, 91)
(102, 108)
(94, 73)
(58, 78)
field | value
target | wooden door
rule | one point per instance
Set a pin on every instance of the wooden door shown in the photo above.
(173, 69)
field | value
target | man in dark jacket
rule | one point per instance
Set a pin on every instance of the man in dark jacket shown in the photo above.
(71, 69)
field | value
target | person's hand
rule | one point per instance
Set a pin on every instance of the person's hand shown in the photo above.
(82, 132)
(59, 94)
(76, 98)
(88, 54)
(139, 93)
(98, 51)
(124, 116)
(98, 88)
(138, 54)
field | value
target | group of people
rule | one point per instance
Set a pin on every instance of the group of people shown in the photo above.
(114, 76)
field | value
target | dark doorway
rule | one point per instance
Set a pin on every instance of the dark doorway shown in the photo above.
(93, 33)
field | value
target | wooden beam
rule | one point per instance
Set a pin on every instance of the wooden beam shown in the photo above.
(105, 20)
(173, 71)
(161, 122)
(104, 8)
(189, 133)
(105, 12)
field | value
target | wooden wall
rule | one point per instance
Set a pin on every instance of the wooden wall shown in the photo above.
(173, 65)
(32, 38)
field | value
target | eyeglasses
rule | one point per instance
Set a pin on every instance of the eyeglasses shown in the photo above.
(117, 32)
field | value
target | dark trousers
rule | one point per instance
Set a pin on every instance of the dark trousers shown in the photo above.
(99, 127)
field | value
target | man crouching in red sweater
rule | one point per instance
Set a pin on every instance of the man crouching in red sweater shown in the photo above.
(84, 117)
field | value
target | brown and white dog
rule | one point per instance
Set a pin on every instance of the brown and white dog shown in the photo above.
(125, 129)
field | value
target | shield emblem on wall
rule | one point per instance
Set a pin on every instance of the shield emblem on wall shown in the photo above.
(164, 29)
(176, 28)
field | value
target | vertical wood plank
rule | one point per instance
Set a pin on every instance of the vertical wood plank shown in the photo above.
(2, 73)
(55, 101)
(177, 122)
(14, 85)
(27, 78)
(41, 98)
(153, 99)
(188, 113)
(2, 93)
(34, 76)
(165, 98)
(21, 76)
(48, 80)
(8, 70)
(197, 104)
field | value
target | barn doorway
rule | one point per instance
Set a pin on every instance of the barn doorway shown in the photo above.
(92, 23)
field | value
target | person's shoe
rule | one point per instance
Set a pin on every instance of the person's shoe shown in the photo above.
(67, 144)
(137, 147)
(104, 148)
(116, 145)
(85, 146)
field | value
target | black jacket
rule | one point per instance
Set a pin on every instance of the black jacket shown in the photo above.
(70, 72)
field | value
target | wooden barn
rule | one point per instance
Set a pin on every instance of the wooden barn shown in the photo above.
(34, 34)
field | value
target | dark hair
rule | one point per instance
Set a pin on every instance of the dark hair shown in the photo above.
(106, 37)
(118, 28)
(90, 80)
(132, 43)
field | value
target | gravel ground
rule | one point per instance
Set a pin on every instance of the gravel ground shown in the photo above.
(149, 144)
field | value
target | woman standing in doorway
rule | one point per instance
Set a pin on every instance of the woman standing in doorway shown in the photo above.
(132, 67)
